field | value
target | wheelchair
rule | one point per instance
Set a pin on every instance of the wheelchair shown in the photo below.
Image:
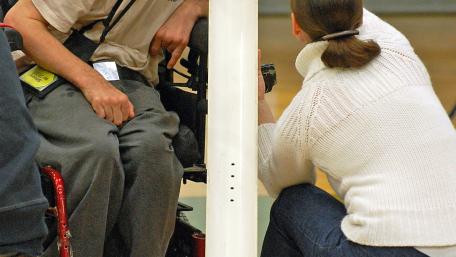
(189, 143)
(187, 241)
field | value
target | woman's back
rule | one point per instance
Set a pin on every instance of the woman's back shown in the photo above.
(381, 135)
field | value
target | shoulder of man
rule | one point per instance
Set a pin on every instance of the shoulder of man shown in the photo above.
(64, 14)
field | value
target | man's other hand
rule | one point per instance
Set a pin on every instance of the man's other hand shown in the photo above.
(174, 34)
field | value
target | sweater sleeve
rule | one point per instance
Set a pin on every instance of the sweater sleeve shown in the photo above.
(265, 132)
(284, 159)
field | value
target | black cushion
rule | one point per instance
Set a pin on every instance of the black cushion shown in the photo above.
(199, 36)
(183, 103)
(186, 147)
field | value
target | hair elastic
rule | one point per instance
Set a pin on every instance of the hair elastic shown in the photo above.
(338, 35)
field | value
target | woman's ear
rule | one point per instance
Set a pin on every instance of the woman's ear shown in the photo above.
(295, 28)
(297, 31)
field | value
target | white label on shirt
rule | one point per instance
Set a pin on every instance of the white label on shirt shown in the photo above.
(107, 69)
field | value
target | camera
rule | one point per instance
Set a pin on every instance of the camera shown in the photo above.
(269, 76)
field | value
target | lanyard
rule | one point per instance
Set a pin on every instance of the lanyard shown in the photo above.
(107, 22)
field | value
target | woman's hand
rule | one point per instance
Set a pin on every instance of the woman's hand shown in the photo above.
(261, 85)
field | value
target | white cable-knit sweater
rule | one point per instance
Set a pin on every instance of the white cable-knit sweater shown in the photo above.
(381, 135)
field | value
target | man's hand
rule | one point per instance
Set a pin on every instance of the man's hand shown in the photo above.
(174, 34)
(39, 44)
(108, 102)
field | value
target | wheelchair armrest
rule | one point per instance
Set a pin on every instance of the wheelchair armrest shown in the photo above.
(199, 36)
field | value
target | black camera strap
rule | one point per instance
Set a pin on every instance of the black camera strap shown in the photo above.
(83, 47)
(107, 21)
(5, 5)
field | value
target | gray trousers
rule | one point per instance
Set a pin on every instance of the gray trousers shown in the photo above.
(122, 184)
(22, 203)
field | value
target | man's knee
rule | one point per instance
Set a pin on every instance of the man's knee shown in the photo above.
(98, 164)
(161, 151)
(158, 144)
(104, 148)
(156, 154)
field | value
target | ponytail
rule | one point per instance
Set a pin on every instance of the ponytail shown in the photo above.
(336, 21)
(350, 52)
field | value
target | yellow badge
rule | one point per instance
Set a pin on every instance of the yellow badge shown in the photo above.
(38, 78)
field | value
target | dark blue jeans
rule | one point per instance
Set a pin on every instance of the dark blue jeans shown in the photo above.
(22, 204)
(305, 222)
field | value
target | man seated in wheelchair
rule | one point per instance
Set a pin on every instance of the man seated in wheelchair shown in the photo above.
(101, 121)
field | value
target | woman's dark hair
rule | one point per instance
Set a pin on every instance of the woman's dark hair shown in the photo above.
(319, 18)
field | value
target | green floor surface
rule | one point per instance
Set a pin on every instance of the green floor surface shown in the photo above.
(198, 216)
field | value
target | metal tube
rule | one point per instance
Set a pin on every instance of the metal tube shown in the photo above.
(232, 129)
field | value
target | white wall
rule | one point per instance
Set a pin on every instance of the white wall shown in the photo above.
(378, 6)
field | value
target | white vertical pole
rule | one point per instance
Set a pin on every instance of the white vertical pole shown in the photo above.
(232, 129)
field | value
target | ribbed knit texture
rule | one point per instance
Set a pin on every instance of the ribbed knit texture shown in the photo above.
(381, 135)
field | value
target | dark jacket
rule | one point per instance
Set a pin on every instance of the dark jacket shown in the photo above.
(22, 204)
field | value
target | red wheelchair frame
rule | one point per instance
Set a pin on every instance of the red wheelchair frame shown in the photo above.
(59, 211)
(183, 234)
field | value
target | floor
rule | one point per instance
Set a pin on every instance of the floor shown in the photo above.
(432, 36)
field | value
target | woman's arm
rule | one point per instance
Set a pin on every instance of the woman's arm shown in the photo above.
(264, 113)
(282, 160)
